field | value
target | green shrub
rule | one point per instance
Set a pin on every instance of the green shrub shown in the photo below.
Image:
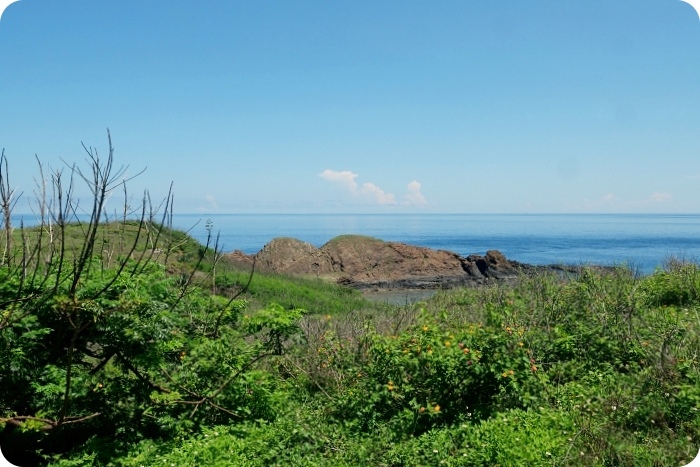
(429, 376)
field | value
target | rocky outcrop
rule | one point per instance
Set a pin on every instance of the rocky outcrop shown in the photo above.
(364, 262)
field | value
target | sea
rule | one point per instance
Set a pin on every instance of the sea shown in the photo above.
(643, 242)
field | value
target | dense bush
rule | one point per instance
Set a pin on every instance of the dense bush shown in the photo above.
(103, 336)
(428, 376)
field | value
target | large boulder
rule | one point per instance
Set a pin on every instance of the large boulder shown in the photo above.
(292, 256)
(370, 262)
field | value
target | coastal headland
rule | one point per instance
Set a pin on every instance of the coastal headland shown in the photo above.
(367, 263)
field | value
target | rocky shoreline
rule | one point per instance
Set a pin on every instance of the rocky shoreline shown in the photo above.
(367, 263)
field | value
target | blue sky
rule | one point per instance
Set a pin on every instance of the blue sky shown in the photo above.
(363, 106)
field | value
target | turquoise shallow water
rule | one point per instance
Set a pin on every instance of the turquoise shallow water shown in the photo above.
(643, 241)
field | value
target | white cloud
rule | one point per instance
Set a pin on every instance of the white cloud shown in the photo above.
(344, 177)
(378, 194)
(661, 196)
(608, 198)
(414, 197)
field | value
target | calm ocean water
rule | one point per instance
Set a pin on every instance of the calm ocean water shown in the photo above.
(643, 241)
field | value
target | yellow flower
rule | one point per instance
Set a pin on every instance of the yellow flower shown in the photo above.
(425, 328)
(390, 386)
(436, 408)
(447, 343)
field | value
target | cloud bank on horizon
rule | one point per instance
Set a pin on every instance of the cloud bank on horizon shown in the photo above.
(371, 192)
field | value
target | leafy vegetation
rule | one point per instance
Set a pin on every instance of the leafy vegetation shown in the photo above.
(125, 343)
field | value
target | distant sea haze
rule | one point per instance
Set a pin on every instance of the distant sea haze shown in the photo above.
(642, 241)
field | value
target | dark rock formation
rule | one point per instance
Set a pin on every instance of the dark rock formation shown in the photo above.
(364, 262)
